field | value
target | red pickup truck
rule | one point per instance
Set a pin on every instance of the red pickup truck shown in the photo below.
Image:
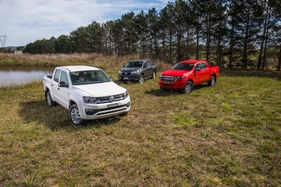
(185, 74)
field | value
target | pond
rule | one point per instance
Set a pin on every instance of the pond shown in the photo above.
(17, 75)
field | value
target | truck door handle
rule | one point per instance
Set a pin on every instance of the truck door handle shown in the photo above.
(52, 85)
(58, 88)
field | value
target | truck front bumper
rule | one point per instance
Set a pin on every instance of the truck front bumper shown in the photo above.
(177, 85)
(97, 111)
(128, 77)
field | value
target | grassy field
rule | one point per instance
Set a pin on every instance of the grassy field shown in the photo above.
(226, 135)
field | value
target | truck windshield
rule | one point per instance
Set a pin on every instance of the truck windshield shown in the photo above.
(134, 64)
(183, 66)
(88, 77)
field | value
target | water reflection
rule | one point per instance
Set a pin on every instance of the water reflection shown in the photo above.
(16, 75)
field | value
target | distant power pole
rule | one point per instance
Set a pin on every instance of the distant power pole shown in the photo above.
(3, 40)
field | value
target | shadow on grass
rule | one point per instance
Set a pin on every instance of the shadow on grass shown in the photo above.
(165, 93)
(127, 82)
(251, 73)
(57, 117)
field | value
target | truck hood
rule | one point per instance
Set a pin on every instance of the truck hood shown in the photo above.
(100, 89)
(125, 69)
(176, 73)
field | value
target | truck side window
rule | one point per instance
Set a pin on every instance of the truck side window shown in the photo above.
(198, 67)
(63, 78)
(57, 75)
(203, 65)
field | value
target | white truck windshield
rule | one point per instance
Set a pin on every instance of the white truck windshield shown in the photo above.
(88, 77)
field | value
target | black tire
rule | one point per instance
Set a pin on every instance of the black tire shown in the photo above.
(212, 81)
(49, 99)
(153, 74)
(74, 115)
(188, 87)
(141, 80)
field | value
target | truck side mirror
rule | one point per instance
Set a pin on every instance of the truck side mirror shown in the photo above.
(111, 79)
(62, 84)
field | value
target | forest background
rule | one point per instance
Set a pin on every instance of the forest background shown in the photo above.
(228, 33)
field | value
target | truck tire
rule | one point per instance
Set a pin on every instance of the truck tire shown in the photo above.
(141, 80)
(49, 99)
(74, 115)
(212, 81)
(188, 87)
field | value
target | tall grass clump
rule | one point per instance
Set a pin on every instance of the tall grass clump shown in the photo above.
(94, 59)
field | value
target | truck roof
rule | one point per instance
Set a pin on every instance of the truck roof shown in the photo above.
(140, 60)
(193, 61)
(78, 68)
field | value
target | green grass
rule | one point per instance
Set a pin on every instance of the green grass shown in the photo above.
(226, 135)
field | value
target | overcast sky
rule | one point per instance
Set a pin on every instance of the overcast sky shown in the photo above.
(25, 21)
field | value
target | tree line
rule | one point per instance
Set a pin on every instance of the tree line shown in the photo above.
(226, 32)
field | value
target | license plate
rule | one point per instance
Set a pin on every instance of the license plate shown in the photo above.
(125, 78)
(113, 105)
(166, 82)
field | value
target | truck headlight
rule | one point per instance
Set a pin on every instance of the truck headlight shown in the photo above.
(179, 77)
(136, 72)
(89, 99)
(126, 94)
(119, 72)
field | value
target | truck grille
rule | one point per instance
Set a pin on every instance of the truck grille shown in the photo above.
(168, 78)
(126, 73)
(109, 99)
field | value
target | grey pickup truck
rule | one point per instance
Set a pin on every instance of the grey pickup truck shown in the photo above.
(137, 70)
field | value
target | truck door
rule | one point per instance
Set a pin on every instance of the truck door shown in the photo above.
(198, 75)
(147, 70)
(205, 72)
(63, 90)
(54, 85)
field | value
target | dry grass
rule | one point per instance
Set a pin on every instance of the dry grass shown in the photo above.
(74, 59)
(226, 135)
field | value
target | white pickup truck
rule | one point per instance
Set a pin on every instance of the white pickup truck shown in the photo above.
(87, 92)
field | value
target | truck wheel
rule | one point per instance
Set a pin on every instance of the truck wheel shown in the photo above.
(188, 87)
(49, 99)
(141, 79)
(153, 74)
(212, 81)
(74, 115)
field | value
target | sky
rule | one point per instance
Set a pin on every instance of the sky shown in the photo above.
(25, 21)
